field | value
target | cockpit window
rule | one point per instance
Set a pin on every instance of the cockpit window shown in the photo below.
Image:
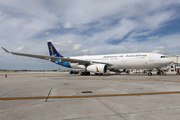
(164, 57)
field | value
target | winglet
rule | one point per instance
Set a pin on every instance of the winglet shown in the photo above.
(6, 50)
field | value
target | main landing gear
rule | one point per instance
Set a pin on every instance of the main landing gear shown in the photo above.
(85, 73)
(159, 72)
(149, 73)
(74, 72)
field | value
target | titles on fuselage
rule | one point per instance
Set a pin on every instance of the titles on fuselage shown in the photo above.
(119, 56)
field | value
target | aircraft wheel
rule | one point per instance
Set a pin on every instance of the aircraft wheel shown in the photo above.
(82, 73)
(158, 73)
(71, 72)
(85, 73)
(149, 74)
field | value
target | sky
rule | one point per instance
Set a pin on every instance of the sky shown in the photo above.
(86, 27)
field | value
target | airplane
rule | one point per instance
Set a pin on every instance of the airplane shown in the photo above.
(100, 64)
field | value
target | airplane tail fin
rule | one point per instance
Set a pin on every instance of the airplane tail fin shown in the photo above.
(53, 51)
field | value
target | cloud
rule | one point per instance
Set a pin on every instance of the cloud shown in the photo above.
(20, 49)
(154, 21)
(2, 14)
(49, 40)
(69, 48)
(77, 47)
(160, 49)
(99, 27)
(138, 33)
(67, 25)
(153, 37)
(70, 42)
(47, 33)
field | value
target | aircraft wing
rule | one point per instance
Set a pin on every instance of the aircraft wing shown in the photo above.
(62, 59)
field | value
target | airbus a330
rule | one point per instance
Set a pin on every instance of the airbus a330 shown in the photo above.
(99, 64)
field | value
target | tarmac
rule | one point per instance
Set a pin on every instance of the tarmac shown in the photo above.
(61, 96)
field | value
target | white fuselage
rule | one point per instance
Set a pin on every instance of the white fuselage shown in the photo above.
(127, 61)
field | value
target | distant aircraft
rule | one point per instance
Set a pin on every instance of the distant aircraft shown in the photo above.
(99, 64)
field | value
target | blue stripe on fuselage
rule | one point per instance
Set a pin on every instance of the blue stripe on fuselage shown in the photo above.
(65, 64)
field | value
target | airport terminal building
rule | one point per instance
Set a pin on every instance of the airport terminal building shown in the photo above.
(176, 62)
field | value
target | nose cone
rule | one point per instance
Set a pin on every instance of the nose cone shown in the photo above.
(169, 61)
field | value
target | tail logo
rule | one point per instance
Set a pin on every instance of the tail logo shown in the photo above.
(97, 69)
(51, 48)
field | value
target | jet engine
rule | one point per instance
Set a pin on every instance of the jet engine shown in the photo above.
(97, 68)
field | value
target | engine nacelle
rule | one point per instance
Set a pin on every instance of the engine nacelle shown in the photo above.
(97, 68)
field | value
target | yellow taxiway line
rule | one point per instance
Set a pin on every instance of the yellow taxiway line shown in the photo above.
(90, 96)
